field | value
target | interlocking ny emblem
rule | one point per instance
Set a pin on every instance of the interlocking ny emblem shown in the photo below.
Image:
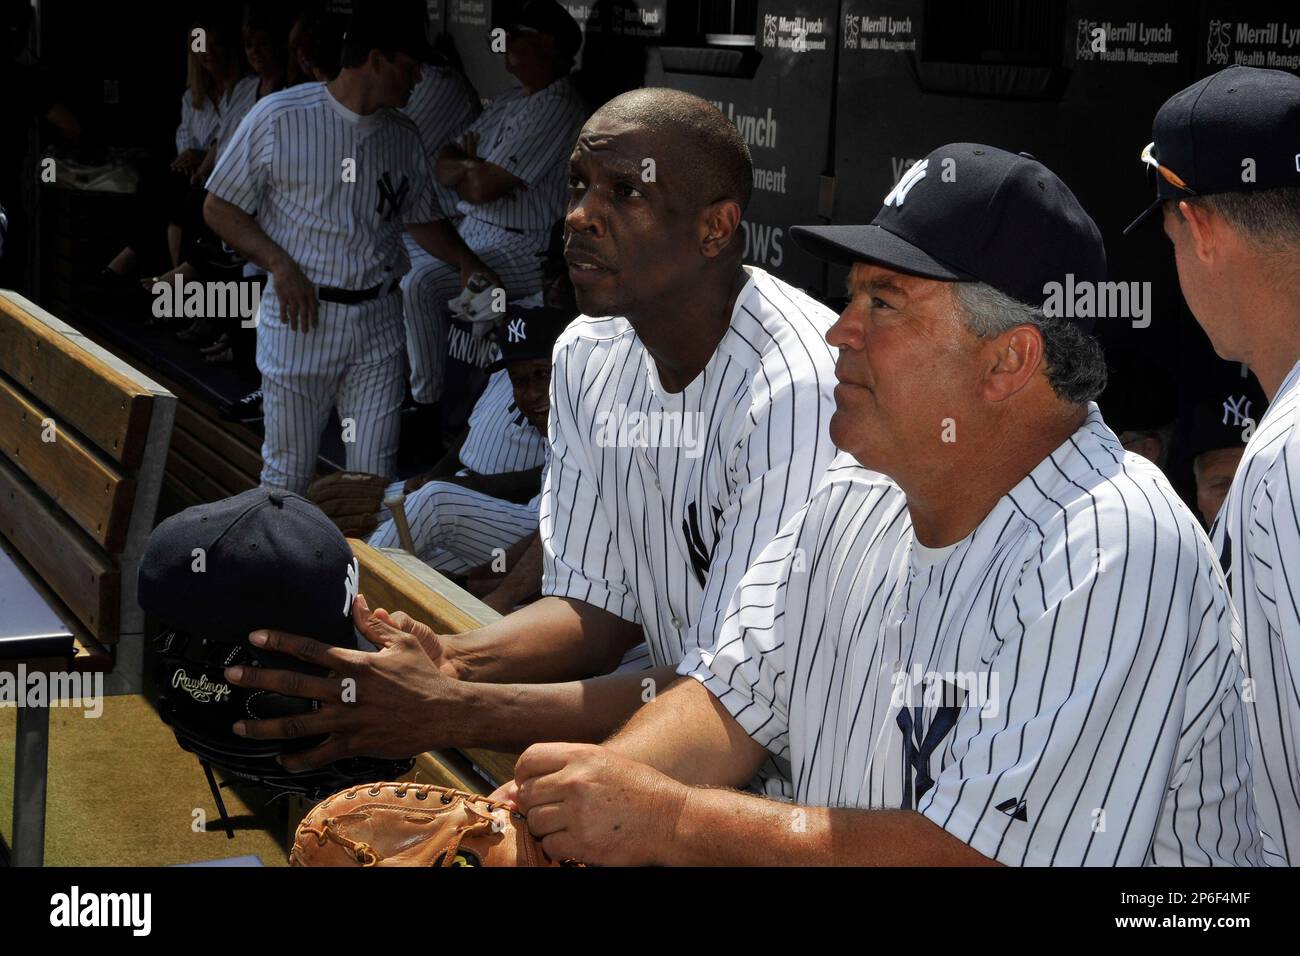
(390, 199)
(515, 331)
(351, 586)
(1238, 407)
(898, 194)
(701, 553)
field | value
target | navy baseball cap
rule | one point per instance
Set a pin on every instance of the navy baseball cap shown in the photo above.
(262, 559)
(973, 213)
(529, 334)
(1237, 130)
(1220, 420)
(547, 16)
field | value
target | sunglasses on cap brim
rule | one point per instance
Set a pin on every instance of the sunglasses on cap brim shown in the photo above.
(1153, 167)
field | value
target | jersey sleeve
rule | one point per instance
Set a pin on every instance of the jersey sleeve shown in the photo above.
(1112, 662)
(579, 556)
(535, 139)
(185, 137)
(1272, 548)
(745, 669)
(425, 205)
(774, 472)
(244, 166)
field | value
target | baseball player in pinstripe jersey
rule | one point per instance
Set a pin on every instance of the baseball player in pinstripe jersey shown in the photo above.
(507, 177)
(456, 528)
(1017, 648)
(442, 105)
(686, 428)
(332, 174)
(1227, 171)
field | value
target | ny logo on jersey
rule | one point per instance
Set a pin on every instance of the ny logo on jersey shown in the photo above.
(391, 198)
(701, 554)
(917, 747)
(898, 194)
(1238, 407)
(516, 415)
(515, 331)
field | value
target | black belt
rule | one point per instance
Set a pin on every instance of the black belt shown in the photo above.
(355, 296)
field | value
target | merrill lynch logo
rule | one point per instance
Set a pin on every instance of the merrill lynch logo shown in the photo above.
(202, 689)
(1217, 41)
(793, 33)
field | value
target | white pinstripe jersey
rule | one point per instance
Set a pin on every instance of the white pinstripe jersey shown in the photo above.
(657, 524)
(285, 164)
(1059, 687)
(501, 439)
(241, 98)
(1257, 535)
(530, 137)
(442, 104)
(198, 127)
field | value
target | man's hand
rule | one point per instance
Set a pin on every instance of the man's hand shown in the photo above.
(204, 169)
(297, 296)
(400, 701)
(188, 161)
(586, 803)
(472, 265)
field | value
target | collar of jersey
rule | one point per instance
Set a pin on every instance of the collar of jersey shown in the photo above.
(355, 119)
(726, 345)
(1017, 505)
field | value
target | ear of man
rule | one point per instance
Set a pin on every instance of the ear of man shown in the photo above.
(719, 225)
(1205, 227)
(1012, 361)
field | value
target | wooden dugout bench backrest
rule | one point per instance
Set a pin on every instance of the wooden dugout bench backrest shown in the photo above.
(397, 581)
(83, 440)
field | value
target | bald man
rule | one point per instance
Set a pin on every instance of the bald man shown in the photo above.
(687, 425)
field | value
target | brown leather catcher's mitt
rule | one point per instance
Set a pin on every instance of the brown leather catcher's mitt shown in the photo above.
(350, 499)
(409, 824)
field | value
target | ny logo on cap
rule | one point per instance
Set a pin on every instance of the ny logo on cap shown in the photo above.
(351, 586)
(515, 331)
(1238, 408)
(898, 194)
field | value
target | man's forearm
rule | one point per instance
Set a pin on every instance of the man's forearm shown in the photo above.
(243, 234)
(524, 578)
(515, 716)
(553, 639)
(727, 828)
(685, 733)
(451, 165)
(440, 239)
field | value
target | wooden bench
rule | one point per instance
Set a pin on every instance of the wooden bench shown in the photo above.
(83, 441)
(397, 581)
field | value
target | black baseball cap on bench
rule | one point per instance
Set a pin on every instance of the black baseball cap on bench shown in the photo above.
(270, 559)
(973, 213)
(1237, 130)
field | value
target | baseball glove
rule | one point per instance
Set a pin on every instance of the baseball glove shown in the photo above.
(350, 499)
(409, 824)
